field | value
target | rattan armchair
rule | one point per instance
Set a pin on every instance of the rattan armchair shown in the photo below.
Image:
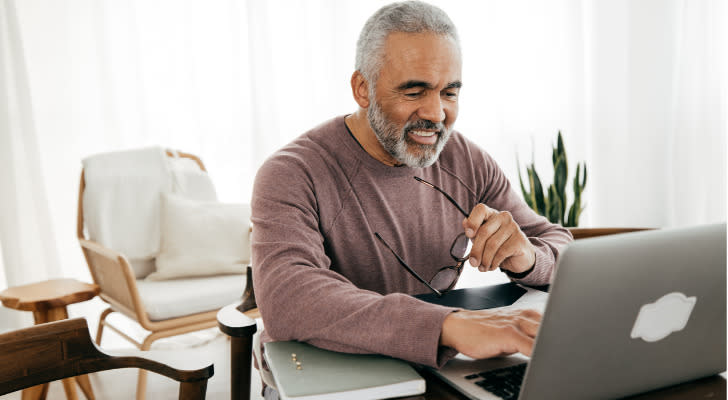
(113, 273)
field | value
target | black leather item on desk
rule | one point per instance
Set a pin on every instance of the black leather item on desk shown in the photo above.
(478, 298)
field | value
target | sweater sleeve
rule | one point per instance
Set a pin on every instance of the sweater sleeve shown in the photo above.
(547, 238)
(301, 298)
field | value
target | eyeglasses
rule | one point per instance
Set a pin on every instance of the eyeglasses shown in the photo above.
(447, 276)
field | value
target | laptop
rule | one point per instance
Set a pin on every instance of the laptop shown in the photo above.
(625, 314)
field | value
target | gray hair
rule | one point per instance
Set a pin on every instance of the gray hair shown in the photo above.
(408, 17)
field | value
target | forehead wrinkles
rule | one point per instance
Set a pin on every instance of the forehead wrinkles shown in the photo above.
(427, 57)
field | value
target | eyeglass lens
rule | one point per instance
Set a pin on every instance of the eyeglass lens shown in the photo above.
(460, 249)
(446, 277)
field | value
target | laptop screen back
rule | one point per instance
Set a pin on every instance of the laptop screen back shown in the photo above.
(633, 312)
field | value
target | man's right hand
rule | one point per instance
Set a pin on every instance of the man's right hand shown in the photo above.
(491, 333)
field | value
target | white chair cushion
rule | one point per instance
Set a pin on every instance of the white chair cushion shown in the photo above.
(180, 297)
(202, 238)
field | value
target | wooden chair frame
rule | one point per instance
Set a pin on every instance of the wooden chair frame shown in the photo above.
(112, 272)
(584, 233)
(64, 349)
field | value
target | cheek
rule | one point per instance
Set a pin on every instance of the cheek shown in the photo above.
(451, 113)
(403, 112)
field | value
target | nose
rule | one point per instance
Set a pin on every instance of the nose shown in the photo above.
(432, 109)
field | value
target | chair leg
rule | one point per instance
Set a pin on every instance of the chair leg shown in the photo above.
(100, 329)
(193, 390)
(35, 392)
(142, 380)
(241, 352)
(69, 386)
(85, 384)
(141, 393)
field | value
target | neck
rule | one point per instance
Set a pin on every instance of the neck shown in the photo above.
(358, 124)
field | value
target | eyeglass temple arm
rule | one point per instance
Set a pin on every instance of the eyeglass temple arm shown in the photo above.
(455, 203)
(407, 267)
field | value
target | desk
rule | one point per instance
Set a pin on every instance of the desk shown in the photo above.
(713, 387)
(48, 300)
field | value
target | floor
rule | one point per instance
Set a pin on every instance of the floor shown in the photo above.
(120, 384)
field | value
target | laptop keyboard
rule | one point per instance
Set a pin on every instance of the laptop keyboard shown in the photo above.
(503, 382)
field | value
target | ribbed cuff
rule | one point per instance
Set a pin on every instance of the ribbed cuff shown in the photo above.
(543, 268)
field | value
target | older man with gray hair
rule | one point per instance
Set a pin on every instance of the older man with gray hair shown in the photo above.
(345, 234)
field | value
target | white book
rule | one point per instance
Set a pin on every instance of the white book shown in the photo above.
(325, 374)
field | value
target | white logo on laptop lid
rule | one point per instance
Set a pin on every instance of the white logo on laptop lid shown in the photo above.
(668, 314)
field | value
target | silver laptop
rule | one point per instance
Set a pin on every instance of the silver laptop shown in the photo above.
(626, 314)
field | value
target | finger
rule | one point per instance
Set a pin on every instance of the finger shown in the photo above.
(528, 326)
(531, 314)
(483, 234)
(516, 338)
(509, 248)
(525, 344)
(478, 215)
(489, 237)
(497, 248)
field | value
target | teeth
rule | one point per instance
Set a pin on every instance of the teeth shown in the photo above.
(423, 133)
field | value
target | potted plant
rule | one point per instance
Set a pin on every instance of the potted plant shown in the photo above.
(552, 203)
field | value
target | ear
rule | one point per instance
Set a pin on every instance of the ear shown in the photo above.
(360, 89)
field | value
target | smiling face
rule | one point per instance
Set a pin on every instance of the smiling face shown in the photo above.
(415, 102)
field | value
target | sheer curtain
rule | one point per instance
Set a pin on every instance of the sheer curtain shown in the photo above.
(27, 233)
(658, 112)
(638, 90)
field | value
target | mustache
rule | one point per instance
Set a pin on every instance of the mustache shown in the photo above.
(423, 124)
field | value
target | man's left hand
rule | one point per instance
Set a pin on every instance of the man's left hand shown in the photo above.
(497, 241)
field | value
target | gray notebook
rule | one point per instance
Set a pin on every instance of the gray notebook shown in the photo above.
(325, 374)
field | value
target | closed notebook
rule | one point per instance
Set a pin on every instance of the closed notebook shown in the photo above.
(327, 374)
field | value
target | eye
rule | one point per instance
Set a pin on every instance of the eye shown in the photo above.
(413, 95)
(451, 95)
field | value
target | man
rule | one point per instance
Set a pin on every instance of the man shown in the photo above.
(332, 208)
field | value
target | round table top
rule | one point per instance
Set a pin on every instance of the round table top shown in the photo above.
(48, 294)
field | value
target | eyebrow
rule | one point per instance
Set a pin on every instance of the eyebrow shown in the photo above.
(426, 85)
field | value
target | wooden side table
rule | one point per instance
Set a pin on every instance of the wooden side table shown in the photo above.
(48, 300)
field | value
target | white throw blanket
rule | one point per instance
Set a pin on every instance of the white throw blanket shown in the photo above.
(122, 198)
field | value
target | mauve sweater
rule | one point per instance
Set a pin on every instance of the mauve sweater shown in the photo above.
(322, 277)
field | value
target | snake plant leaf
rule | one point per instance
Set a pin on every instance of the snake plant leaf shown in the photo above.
(574, 210)
(537, 194)
(532, 193)
(526, 194)
(560, 179)
(560, 174)
(579, 186)
(554, 206)
(574, 214)
(572, 219)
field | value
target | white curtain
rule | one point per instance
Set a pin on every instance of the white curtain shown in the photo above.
(638, 90)
(27, 229)
(658, 112)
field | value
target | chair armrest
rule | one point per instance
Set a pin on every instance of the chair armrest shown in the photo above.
(62, 349)
(241, 328)
(112, 272)
(170, 364)
(234, 323)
